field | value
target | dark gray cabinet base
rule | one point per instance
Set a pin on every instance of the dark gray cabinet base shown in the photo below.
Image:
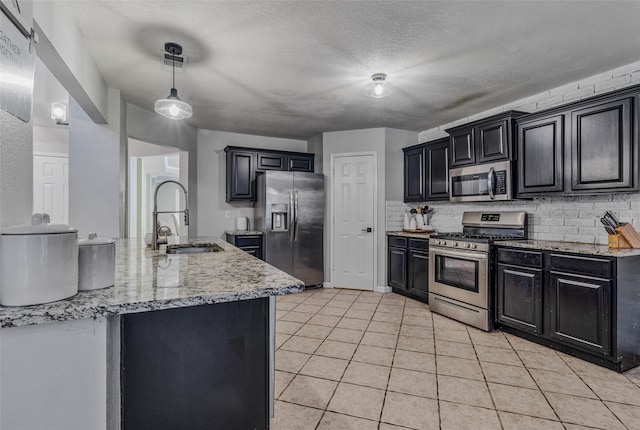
(408, 267)
(199, 367)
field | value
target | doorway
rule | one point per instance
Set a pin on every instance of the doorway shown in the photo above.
(353, 209)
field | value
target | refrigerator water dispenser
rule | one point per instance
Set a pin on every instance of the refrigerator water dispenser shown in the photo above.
(279, 217)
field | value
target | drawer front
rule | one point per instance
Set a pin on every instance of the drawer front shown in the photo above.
(520, 257)
(242, 241)
(583, 265)
(271, 162)
(397, 241)
(298, 163)
(419, 244)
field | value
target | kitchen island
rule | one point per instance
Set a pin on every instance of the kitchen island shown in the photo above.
(195, 318)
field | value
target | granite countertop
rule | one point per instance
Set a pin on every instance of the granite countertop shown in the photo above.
(577, 248)
(408, 234)
(242, 232)
(148, 280)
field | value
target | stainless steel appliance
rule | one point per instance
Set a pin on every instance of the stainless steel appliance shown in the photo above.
(290, 213)
(481, 182)
(461, 274)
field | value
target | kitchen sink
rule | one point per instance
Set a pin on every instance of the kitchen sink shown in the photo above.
(193, 248)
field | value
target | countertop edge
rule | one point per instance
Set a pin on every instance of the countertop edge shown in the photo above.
(571, 247)
(408, 234)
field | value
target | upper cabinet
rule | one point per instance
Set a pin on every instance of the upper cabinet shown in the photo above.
(426, 171)
(243, 164)
(483, 141)
(586, 147)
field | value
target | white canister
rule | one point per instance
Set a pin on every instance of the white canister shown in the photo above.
(96, 263)
(38, 263)
(242, 223)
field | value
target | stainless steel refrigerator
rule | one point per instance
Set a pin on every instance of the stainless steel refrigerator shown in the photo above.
(290, 213)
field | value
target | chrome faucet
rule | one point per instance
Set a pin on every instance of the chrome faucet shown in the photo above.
(154, 242)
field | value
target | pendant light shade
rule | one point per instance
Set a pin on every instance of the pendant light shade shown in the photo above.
(172, 107)
(377, 89)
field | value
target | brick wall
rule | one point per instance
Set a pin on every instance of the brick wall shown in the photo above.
(574, 219)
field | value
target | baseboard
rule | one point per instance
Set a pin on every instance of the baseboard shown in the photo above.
(327, 285)
(382, 289)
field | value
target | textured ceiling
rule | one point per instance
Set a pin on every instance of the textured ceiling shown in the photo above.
(298, 68)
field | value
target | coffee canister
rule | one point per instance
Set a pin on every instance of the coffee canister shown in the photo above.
(242, 223)
(96, 263)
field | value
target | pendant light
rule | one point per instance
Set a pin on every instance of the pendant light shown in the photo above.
(172, 107)
(376, 89)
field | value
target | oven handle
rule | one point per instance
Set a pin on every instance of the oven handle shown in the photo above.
(461, 254)
(490, 183)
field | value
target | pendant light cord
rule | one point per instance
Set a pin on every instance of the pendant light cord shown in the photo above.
(173, 64)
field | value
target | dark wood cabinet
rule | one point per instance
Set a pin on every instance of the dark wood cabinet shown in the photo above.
(397, 267)
(243, 164)
(426, 171)
(519, 291)
(462, 148)
(250, 243)
(492, 141)
(408, 266)
(540, 164)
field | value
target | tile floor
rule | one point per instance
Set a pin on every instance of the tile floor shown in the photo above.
(361, 360)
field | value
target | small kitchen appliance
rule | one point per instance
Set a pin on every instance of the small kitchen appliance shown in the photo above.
(461, 274)
(481, 182)
(96, 263)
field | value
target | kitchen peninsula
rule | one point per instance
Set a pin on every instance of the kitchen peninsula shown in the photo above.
(178, 340)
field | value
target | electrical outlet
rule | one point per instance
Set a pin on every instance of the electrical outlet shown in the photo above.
(227, 214)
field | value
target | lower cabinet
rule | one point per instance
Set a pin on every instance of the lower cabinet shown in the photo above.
(520, 297)
(250, 243)
(408, 267)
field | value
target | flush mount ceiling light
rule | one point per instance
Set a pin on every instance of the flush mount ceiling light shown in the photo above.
(172, 107)
(376, 89)
(59, 113)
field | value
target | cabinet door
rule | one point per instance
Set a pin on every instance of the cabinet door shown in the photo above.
(540, 161)
(520, 298)
(397, 268)
(241, 174)
(301, 163)
(414, 179)
(462, 149)
(602, 153)
(418, 273)
(579, 312)
(267, 161)
(492, 141)
(438, 171)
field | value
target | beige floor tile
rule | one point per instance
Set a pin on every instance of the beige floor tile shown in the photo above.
(308, 391)
(576, 427)
(331, 348)
(386, 317)
(345, 335)
(288, 416)
(307, 308)
(385, 426)
(364, 306)
(280, 314)
(330, 310)
(628, 414)
(292, 298)
(289, 361)
(452, 335)
(455, 349)
(416, 331)
(301, 344)
(347, 292)
(411, 411)
(318, 301)
(369, 298)
(523, 422)
(417, 320)
(412, 360)
(382, 340)
(507, 375)
(520, 344)
(615, 391)
(342, 304)
(564, 383)
(359, 314)
(414, 383)
(374, 355)
(498, 355)
(324, 367)
(353, 324)
(315, 331)
(285, 306)
(441, 322)
(633, 375)
(288, 327)
(417, 310)
(521, 401)
(281, 381)
(466, 391)
(584, 368)
(326, 320)
(333, 421)
(281, 338)
(299, 317)
(582, 411)
(384, 327)
(454, 416)
(368, 375)
(535, 360)
(494, 338)
(390, 309)
(460, 367)
(393, 299)
(362, 402)
(410, 343)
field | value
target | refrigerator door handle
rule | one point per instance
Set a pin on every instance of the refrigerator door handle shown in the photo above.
(295, 215)
(292, 214)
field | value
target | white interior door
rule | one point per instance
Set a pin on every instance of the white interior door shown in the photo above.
(353, 222)
(51, 187)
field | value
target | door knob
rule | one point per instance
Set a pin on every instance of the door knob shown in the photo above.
(367, 230)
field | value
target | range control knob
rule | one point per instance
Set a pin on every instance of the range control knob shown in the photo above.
(474, 246)
(467, 245)
(454, 243)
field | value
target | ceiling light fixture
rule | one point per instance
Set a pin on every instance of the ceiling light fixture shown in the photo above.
(172, 107)
(59, 113)
(376, 89)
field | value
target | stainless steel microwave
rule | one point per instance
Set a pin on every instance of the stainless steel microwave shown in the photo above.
(481, 182)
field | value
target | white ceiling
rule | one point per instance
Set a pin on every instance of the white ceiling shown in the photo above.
(298, 68)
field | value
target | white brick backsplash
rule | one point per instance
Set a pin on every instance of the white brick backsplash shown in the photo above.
(619, 82)
(587, 222)
(564, 89)
(595, 79)
(550, 101)
(635, 77)
(579, 94)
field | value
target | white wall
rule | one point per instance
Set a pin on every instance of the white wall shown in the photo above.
(314, 145)
(395, 140)
(51, 139)
(212, 168)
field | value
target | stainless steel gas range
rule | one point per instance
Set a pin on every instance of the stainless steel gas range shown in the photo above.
(460, 265)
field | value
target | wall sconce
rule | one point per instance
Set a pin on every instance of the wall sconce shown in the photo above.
(59, 113)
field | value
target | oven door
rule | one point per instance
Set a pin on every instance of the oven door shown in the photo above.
(459, 275)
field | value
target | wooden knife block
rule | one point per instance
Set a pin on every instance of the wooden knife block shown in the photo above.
(626, 237)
